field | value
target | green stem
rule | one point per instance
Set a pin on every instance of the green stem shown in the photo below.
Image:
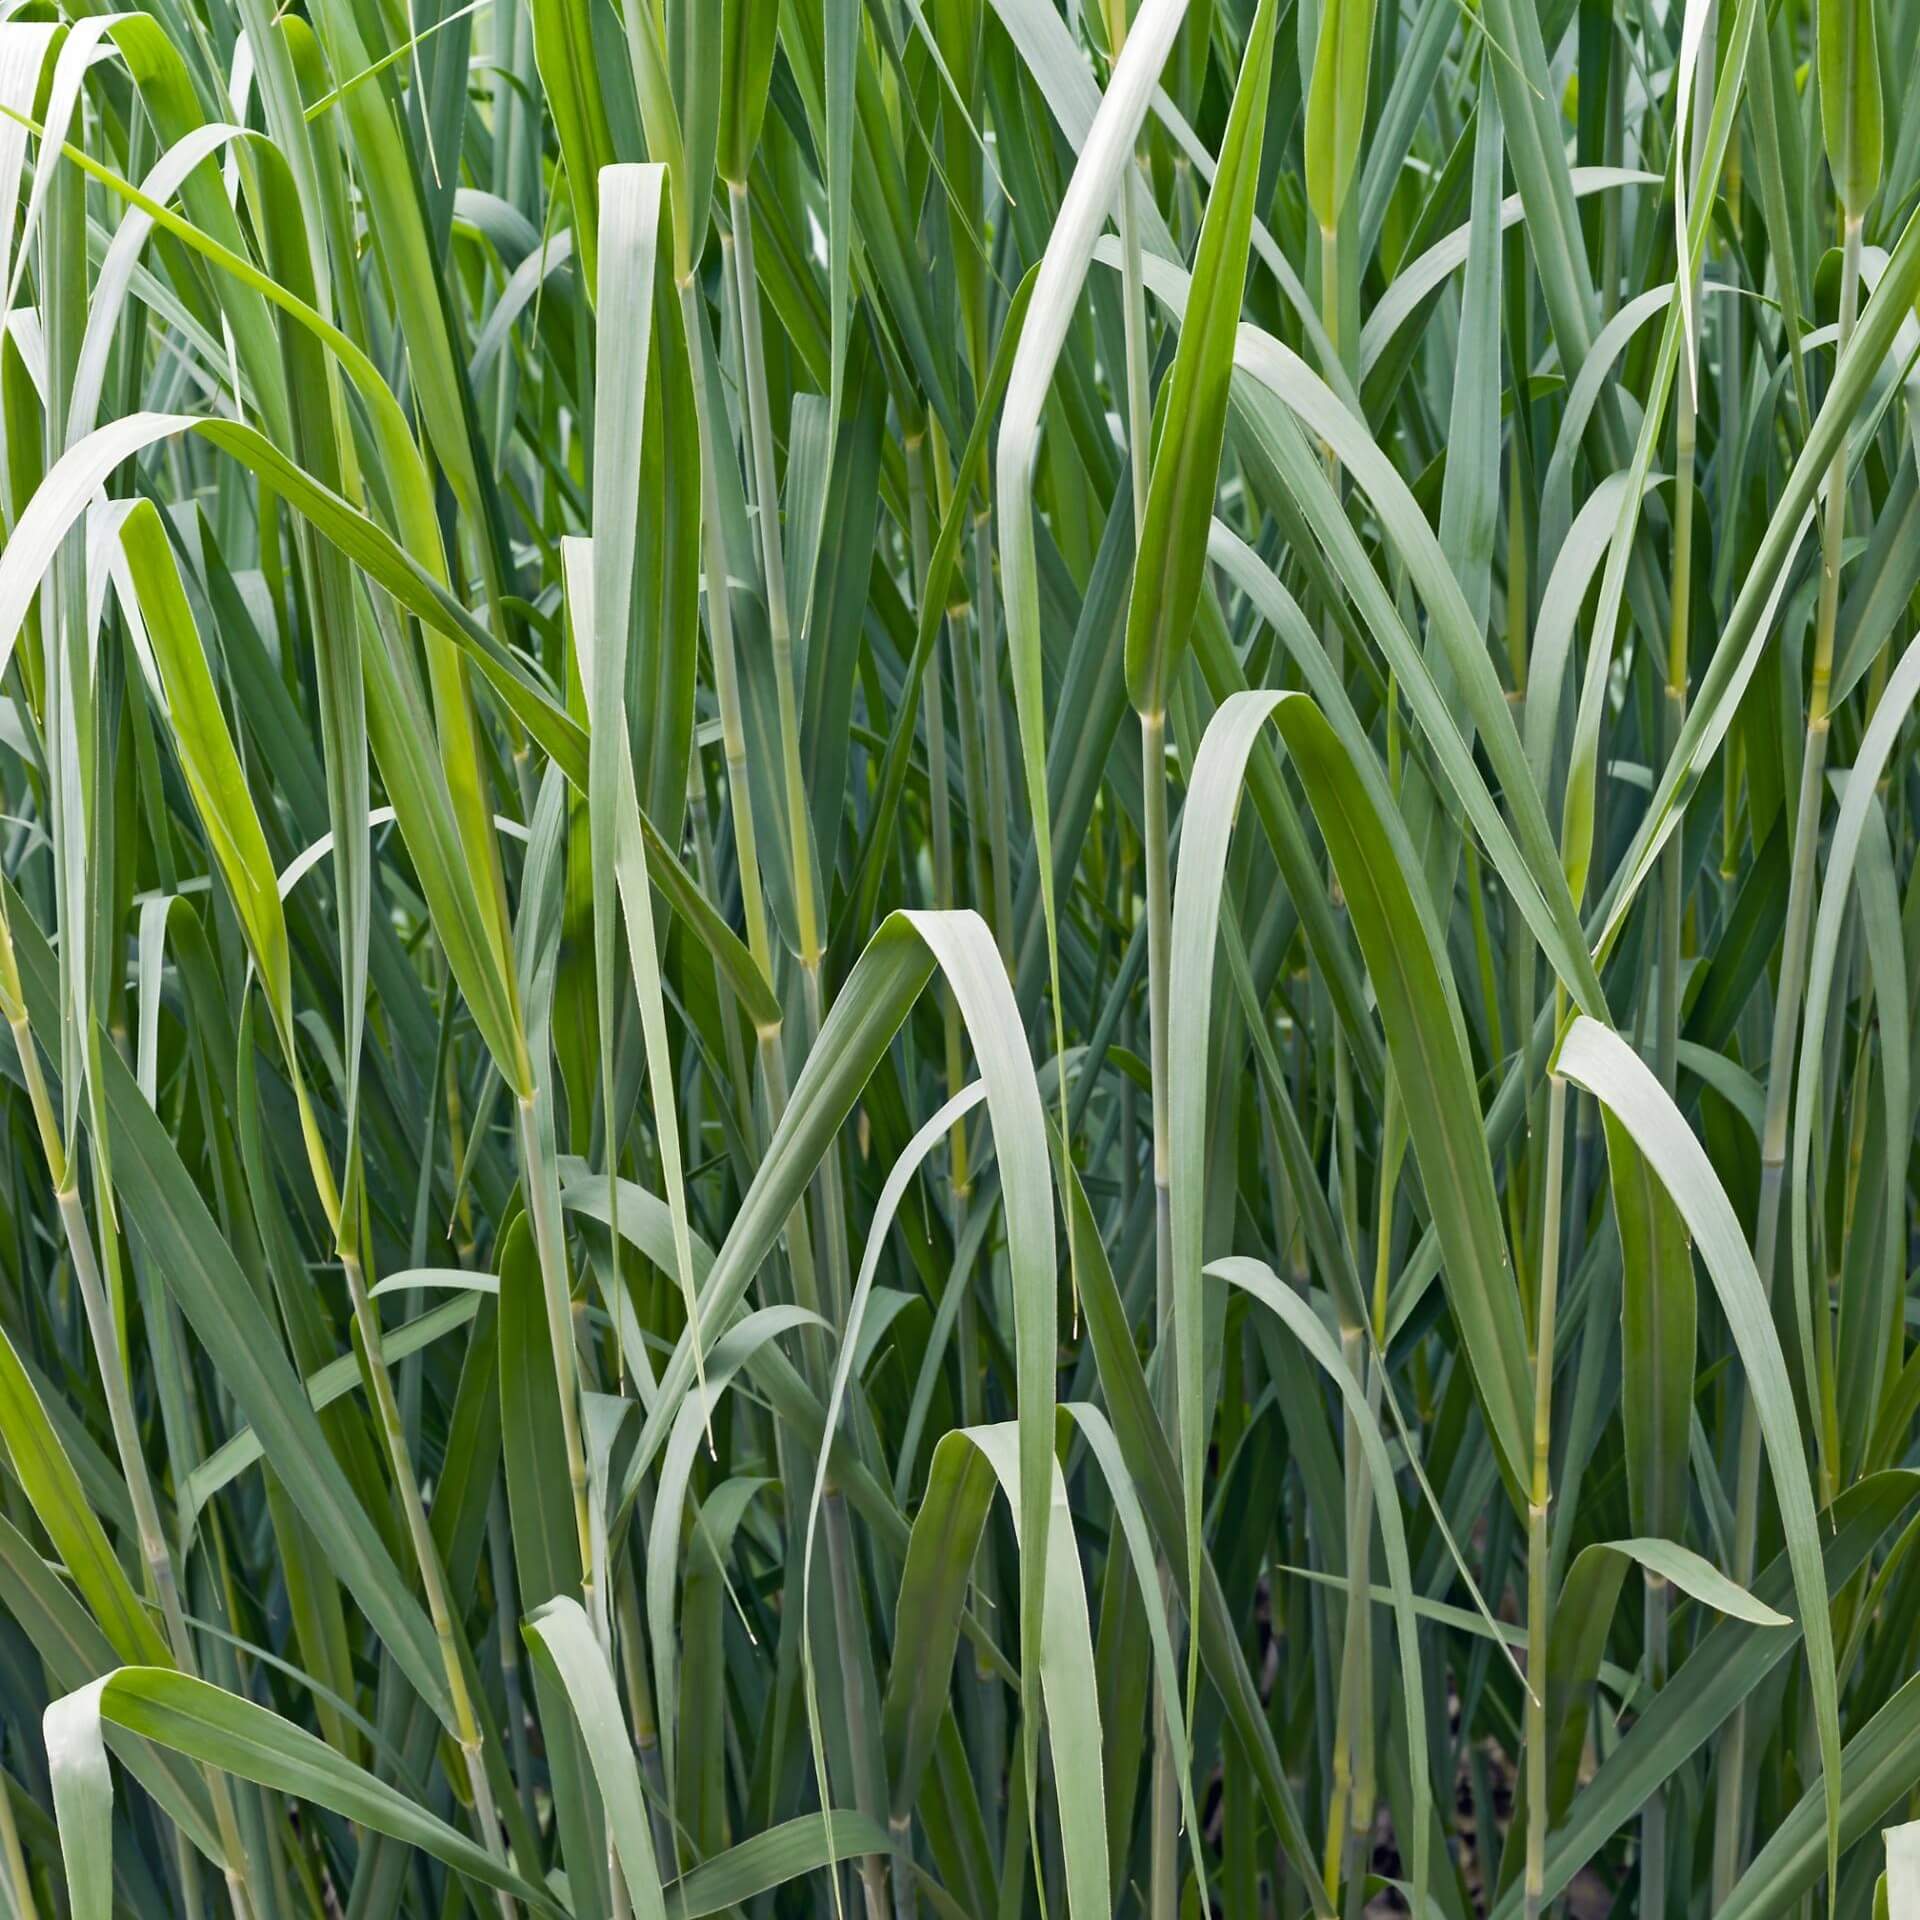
(1729, 1840)
(427, 1555)
(1673, 888)
(726, 675)
(345, 1226)
(1653, 1820)
(856, 1676)
(906, 1902)
(1164, 1875)
(968, 721)
(733, 741)
(1163, 1866)
(800, 877)
(1330, 288)
(1539, 1500)
(643, 1717)
(848, 1612)
(154, 1550)
(1350, 1805)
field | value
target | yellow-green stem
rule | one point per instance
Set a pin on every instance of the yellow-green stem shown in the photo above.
(1539, 1499)
(1163, 1865)
(1350, 1805)
(466, 1724)
(154, 1550)
(1730, 1821)
(346, 1231)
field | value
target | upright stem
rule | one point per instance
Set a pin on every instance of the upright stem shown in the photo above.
(1350, 1804)
(1653, 1819)
(833, 1212)
(1350, 1814)
(549, 1237)
(726, 676)
(1351, 1800)
(832, 1222)
(154, 1549)
(345, 1226)
(1673, 891)
(644, 1717)
(1163, 1891)
(1153, 768)
(1164, 1831)
(960, 1176)
(1330, 287)
(427, 1555)
(120, 1414)
(956, 616)
(1673, 874)
(1729, 1839)
(1353, 1724)
(733, 740)
(766, 494)
(1539, 1499)
(1134, 321)
(856, 1654)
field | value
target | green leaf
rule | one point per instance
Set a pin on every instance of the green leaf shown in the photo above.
(1656, 1336)
(946, 1536)
(181, 1238)
(1186, 463)
(1583, 1616)
(1252, 1277)
(1419, 1009)
(1526, 857)
(1878, 1769)
(749, 29)
(1593, 1057)
(562, 1636)
(1337, 105)
(191, 1717)
(600, 589)
(1732, 1658)
(198, 730)
(770, 1859)
(46, 1475)
(1851, 117)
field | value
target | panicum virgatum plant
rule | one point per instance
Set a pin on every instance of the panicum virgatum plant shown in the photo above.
(960, 958)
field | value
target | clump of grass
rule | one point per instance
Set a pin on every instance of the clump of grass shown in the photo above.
(959, 958)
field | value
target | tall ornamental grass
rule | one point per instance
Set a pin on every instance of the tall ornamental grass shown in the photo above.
(961, 958)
